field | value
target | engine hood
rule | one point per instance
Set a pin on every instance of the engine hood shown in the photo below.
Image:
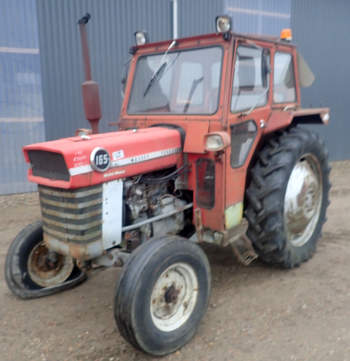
(80, 162)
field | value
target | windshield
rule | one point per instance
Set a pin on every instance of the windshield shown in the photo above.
(181, 82)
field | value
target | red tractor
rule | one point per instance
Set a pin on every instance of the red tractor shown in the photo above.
(209, 148)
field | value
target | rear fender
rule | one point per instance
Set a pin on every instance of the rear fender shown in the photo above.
(280, 119)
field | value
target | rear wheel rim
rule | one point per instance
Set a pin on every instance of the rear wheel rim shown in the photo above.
(47, 268)
(303, 200)
(174, 297)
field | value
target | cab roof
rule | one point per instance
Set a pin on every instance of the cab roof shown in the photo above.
(266, 38)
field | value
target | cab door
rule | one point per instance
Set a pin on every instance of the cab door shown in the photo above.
(249, 108)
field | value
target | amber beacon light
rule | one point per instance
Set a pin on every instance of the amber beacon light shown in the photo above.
(286, 34)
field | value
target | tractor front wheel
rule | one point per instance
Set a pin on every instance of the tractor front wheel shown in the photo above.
(32, 270)
(287, 197)
(162, 295)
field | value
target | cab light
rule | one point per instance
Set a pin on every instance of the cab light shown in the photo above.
(286, 34)
(223, 23)
(141, 38)
(325, 117)
(214, 142)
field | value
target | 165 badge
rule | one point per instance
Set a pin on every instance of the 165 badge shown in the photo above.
(100, 160)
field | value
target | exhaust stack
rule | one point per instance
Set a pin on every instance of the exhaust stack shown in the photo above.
(90, 92)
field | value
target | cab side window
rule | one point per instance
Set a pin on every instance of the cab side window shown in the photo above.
(283, 78)
(251, 78)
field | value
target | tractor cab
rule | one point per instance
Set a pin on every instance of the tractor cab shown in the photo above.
(225, 91)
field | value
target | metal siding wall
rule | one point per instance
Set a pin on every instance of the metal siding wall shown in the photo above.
(321, 29)
(266, 17)
(198, 16)
(110, 33)
(21, 113)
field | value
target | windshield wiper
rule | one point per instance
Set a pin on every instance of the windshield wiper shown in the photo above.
(154, 77)
(194, 85)
(162, 65)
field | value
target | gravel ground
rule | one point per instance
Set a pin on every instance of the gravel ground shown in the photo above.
(256, 313)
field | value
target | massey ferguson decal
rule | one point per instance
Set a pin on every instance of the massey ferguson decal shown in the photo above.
(145, 157)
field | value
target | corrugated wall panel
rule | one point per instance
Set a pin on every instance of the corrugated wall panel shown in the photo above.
(266, 17)
(110, 33)
(321, 29)
(21, 113)
(198, 16)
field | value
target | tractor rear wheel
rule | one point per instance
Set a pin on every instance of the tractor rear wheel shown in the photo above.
(287, 197)
(162, 294)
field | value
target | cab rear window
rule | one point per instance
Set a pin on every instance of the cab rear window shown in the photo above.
(283, 78)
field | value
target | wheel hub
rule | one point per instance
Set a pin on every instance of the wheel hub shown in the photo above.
(174, 297)
(48, 268)
(171, 294)
(303, 200)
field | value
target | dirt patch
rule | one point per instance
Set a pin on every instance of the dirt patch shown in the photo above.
(256, 313)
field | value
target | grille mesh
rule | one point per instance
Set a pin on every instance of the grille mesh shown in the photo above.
(48, 165)
(72, 215)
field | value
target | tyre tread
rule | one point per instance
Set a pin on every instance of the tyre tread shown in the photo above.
(273, 164)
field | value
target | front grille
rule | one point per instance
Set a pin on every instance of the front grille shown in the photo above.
(72, 215)
(48, 165)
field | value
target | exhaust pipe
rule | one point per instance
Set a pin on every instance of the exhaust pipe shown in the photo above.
(89, 88)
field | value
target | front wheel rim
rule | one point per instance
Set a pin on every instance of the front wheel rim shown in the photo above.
(47, 268)
(174, 297)
(303, 200)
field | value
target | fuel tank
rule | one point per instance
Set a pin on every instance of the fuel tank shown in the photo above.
(88, 160)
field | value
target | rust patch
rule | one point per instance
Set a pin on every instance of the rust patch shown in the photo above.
(79, 251)
(198, 224)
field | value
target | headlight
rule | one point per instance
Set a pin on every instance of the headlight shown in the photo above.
(141, 37)
(217, 141)
(223, 23)
(325, 117)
